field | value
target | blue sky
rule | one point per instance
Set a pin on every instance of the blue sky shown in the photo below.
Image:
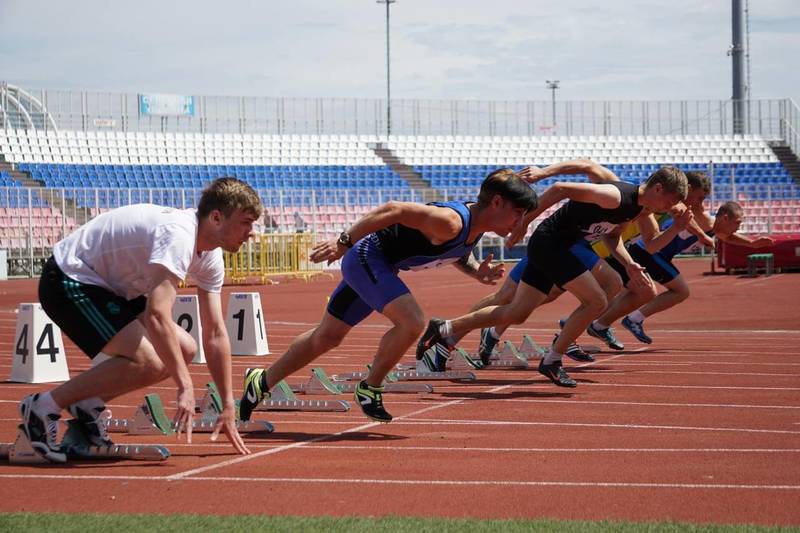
(503, 50)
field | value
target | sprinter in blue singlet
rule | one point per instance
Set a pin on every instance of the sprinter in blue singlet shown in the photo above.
(395, 237)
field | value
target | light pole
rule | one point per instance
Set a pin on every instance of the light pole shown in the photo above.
(553, 85)
(388, 72)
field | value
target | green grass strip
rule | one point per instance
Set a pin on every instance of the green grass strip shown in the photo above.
(86, 523)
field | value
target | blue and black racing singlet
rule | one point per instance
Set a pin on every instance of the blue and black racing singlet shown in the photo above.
(574, 220)
(679, 243)
(409, 249)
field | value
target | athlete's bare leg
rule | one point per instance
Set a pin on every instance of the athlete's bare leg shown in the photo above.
(134, 364)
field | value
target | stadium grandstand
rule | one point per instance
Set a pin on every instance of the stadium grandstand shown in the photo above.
(319, 164)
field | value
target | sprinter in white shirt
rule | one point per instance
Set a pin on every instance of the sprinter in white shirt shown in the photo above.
(110, 286)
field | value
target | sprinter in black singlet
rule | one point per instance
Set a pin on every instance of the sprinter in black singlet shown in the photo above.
(592, 212)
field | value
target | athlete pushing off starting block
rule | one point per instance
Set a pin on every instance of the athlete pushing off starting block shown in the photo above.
(396, 236)
(592, 212)
(110, 286)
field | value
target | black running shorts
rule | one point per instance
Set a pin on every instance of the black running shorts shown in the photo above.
(87, 314)
(551, 262)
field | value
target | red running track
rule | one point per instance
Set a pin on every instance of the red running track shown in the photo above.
(702, 426)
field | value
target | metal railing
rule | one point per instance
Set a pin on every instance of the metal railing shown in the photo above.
(86, 110)
(791, 126)
(33, 220)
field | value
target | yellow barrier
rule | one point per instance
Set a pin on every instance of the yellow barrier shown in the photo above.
(273, 255)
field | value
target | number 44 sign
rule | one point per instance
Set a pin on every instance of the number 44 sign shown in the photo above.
(245, 324)
(38, 348)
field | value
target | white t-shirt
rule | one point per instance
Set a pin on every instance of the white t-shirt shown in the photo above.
(121, 250)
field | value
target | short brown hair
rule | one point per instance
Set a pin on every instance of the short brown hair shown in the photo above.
(732, 209)
(506, 183)
(699, 180)
(227, 195)
(672, 179)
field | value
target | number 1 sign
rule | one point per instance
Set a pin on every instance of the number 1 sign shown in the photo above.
(245, 323)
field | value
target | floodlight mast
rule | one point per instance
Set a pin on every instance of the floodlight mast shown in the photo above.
(388, 71)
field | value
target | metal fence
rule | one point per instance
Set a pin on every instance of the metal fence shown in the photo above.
(85, 110)
(32, 220)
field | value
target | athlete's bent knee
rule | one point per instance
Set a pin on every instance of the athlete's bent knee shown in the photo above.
(413, 323)
(327, 340)
(517, 314)
(597, 303)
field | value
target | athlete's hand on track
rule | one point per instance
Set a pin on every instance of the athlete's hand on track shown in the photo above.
(327, 251)
(638, 276)
(227, 423)
(185, 414)
(488, 273)
(532, 174)
(762, 242)
(515, 236)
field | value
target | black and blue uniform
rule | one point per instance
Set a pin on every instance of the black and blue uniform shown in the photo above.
(658, 265)
(552, 258)
(581, 249)
(370, 268)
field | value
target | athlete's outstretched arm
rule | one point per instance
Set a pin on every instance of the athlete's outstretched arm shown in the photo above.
(604, 195)
(743, 240)
(653, 238)
(157, 320)
(594, 171)
(437, 223)
(217, 347)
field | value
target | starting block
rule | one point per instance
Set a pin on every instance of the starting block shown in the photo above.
(76, 446)
(150, 419)
(281, 399)
(404, 374)
(460, 359)
(321, 383)
(508, 357)
(529, 349)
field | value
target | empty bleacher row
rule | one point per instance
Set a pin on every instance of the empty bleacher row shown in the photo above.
(149, 148)
(322, 183)
(441, 150)
(446, 176)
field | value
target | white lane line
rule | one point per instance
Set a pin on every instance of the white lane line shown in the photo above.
(714, 387)
(655, 330)
(423, 482)
(451, 422)
(186, 474)
(492, 449)
(650, 404)
(742, 374)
